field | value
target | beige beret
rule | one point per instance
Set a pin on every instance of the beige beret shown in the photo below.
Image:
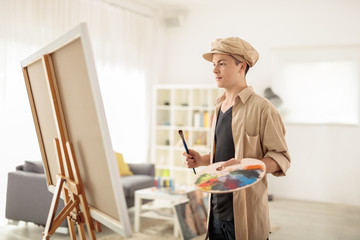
(235, 47)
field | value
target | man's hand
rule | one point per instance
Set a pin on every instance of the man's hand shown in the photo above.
(229, 162)
(194, 159)
(271, 165)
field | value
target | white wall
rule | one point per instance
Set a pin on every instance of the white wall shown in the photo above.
(325, 158)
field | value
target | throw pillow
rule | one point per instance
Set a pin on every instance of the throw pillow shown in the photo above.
(34, 166)
(124, 169)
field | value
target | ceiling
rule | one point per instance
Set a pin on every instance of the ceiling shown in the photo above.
(168, 4)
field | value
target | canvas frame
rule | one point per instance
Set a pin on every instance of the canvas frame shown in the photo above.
(83, 115)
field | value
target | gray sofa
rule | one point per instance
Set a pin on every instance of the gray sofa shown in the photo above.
(28, 198)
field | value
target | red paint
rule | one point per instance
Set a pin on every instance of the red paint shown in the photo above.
(232, 183)
(207, 183)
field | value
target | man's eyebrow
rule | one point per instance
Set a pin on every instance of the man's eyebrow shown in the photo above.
(221, 60)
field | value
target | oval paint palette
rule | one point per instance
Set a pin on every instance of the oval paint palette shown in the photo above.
(231, 178)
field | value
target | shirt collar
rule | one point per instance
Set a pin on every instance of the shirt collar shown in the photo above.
(243, 95)
(246, 93)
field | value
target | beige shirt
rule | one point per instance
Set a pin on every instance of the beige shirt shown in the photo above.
(258, 132)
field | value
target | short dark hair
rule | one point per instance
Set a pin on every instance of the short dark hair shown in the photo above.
(237, 62)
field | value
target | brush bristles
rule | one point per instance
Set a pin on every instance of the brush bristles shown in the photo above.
(181, 134)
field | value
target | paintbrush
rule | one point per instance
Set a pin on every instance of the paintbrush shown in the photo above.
(185, 146)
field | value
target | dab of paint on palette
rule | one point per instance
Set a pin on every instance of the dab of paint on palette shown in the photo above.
(231, 178)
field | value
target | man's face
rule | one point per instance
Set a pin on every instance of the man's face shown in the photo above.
(227, 73)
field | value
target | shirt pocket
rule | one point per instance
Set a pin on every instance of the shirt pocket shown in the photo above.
(252, 146)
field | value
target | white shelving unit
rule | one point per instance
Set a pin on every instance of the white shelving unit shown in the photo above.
(186, 107)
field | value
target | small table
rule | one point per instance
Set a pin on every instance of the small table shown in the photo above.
(158, 194)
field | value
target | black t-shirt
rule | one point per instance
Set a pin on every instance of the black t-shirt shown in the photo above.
(222, 203)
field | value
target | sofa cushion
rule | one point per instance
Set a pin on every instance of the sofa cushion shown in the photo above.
(136, 182)
(33, 166)
(124, 168)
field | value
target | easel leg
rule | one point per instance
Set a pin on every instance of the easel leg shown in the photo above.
(83, 202)
(71, 224)
(97, 226)
(53, 207)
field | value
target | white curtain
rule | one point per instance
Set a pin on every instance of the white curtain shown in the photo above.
(123, 43)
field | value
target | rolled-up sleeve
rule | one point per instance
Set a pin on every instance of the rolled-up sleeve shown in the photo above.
(273, 139)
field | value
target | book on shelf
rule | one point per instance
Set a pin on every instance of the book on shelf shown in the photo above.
(206, 119)
(201, 119)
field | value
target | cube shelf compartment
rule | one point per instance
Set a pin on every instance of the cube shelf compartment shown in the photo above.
(186, 107)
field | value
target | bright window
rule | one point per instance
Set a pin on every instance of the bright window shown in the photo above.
(318, 85)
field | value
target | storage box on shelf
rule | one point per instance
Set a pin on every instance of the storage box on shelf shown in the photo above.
(191, 109)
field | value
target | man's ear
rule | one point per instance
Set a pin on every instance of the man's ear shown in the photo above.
(243, 66)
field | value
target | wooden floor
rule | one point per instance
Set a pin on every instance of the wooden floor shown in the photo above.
(299, 220)
(290, 220)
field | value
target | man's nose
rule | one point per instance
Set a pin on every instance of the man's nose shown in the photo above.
(216, 69)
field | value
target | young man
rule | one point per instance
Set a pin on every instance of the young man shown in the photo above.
(245, 125)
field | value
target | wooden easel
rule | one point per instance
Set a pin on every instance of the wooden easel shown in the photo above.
(69, 183)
